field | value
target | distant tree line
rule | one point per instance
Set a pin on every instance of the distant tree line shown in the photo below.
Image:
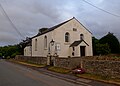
(10, 51)
(108, 44)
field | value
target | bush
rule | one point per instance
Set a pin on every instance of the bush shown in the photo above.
(13, 55)
(8, 57)
(0, 54)
(102, 49)
(112, 41)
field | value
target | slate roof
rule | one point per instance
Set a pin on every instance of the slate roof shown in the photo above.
(56, 26)
(76, 43)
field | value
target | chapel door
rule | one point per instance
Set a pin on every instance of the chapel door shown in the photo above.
(82, 50)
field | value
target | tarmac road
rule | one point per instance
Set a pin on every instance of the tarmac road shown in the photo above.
(16, 75)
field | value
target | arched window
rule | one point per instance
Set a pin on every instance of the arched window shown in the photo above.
(67, 37)
(45, 42)
(81, 36)
(35, 44)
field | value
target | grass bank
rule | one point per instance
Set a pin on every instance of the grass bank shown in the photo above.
(27, 63)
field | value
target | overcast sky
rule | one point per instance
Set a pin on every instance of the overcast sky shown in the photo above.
(30, 15)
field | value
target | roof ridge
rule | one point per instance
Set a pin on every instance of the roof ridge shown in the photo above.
(82, 25)
(57, 25)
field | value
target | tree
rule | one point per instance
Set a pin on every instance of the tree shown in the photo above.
(11, 50)
(112, 41)
(95, 41)
(0, 54)
(102, 49)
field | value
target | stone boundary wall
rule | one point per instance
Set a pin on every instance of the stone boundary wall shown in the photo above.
(95, 65)
(105, 67)
(68, 63)
(36, 60)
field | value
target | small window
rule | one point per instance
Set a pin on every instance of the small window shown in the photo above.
(81, 36)
(35, 44)
(67, 37)
(45, 42)
(74, 29)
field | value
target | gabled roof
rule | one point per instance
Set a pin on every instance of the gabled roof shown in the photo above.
(52, 28)
(76, 43)
(56, 26)
(83, 26)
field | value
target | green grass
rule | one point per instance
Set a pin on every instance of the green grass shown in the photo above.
(98, 77)
(59, 70)
(28, 63)
(32, 64)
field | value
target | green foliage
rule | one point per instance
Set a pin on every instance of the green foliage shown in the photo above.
(102, 49)
(0, 54)
(107, 44)
(10, 51)
(94, 42)
(112, 41)
(8, 57)
(14, 54)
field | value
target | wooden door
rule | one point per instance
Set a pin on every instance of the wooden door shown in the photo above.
(82, 50)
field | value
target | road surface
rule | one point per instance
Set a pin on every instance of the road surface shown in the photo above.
(16, 75)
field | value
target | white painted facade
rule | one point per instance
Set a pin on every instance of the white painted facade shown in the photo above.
(28, 51)
(60, 47)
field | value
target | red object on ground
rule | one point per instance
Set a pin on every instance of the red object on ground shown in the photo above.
(78, 71)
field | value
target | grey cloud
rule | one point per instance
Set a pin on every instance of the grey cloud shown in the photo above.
(6, 39)
(30, 15)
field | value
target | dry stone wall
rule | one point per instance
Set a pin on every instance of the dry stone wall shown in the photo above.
(94, 65)
(36, 60)
(107, 68)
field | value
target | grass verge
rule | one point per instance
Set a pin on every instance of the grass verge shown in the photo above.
(59, 70)
(28, 63)
(99, 78)
(105, 79)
